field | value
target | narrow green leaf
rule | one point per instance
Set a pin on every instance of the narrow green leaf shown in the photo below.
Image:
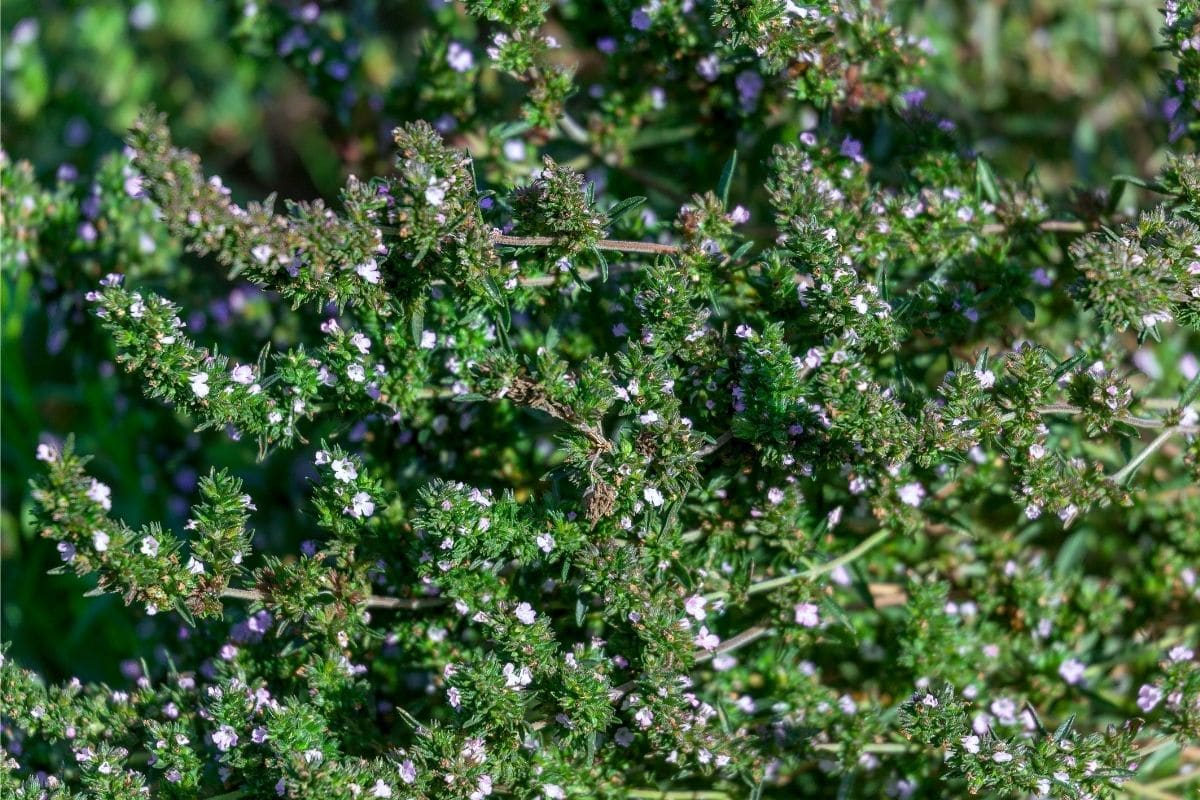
(726, 179)
(623, 206)
(985, 181)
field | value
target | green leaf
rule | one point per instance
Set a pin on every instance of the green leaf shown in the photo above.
(1069, 365)
(1026, 307)
(985, 181)
(623, 206)
(1191, 392)
(507, 130)
(1064, 730)
(602, 262)
(726, 179)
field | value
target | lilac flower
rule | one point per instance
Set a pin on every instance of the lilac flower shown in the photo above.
(66, 551)
(749, 85)
(807, 615)
(1071, 671)
(408, 772)
(459, 58)
(640, 20)
(694, 606)
(709, 67)
(225, 738)
(1148, 697)
(707, 640)
(739, 215)
(852, 148)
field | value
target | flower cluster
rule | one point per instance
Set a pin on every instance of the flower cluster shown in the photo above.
(586, 469)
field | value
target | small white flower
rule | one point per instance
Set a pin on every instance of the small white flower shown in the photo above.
(100, 494)
(100, 541)
(428, 340)
(199, 381)
(1001, 757)
(262, 253)
(149, 546)
(525, 613)
(653, 496)
(242, 374)
(195, 566)
(694, 606)
(545, 542)
(368, 271)
(986, 378)
(911, 494)
(435, 194)
(361, 342)
(356, 373)
(344, 470)
(970, 743)
(644, 717)
(361, 506)
(553, 791)
(381, 789)
(46, 453)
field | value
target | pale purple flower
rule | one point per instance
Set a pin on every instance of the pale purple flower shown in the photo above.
(459, 58)
(694, 606)
(911, 494)
(242, 374)
(225, 738)
(1148, 697)
(707, 640)
(408, 772)
(709, 67)
(807, 615)
(1071, 671)
(100, 494)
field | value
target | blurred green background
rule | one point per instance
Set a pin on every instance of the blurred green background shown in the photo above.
(1068, 86)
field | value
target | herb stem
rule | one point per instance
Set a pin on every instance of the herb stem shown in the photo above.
(1126, 472)
(829, 566)
(375, 601)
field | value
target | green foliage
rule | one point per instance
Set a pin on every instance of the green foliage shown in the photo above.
(549, 458)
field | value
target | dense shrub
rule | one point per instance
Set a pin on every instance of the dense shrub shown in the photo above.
(670, 402)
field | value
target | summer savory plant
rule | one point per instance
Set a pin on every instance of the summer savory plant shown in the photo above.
(857, 469)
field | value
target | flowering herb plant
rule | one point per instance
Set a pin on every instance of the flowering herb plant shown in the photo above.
(858, 468)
